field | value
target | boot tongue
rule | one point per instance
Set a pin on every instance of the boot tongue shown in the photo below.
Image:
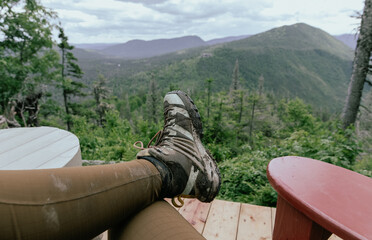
(143, 153)
(173, 99)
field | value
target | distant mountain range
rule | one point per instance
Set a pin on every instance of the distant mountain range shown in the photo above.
(94, 46)
(226, 39)
(295, 61)
(348, 39)
(137, 49)
(144, 49)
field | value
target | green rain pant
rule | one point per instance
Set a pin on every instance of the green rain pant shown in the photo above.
(82, 202)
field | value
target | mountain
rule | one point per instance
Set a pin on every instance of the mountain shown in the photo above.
(299, 36)
(93, 46)
(226, 39)
(130, 49)
(136, 49)
(295, 61)
(348, 39)
(87, 54)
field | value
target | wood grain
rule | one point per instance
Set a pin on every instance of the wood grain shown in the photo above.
(223, 219)
(196, 213)
(254, 223)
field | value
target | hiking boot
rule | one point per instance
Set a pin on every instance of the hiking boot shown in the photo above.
(187, 168)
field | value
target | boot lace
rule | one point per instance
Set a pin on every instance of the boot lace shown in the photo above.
(157, 136)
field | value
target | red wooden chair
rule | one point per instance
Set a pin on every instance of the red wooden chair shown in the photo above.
(316, 199)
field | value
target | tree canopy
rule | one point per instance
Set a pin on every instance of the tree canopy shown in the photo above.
(27, 58)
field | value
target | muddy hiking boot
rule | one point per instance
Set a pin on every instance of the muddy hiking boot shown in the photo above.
(187, 168)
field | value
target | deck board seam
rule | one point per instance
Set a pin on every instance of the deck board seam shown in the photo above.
(237, 226)
(206, 219)
(272, 221)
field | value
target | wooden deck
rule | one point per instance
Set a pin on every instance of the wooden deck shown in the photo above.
(229, 220)
(226, 220)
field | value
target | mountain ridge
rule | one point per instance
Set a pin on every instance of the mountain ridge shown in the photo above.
(135, 49)
(348, 39)
(293, 63)
(299, 36)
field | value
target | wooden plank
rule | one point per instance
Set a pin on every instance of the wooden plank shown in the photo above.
(273, 214)
(196, 213)
(48, 153)
(254, 222)
(334, 237)
(222, 222)
(104, 235)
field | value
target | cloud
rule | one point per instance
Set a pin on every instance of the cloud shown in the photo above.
(145, 2)
(193, 9)
(123, 20)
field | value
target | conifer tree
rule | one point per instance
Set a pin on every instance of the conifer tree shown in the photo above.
(70, 70)
(101, 93)
(127, 109)
(152, 101)
(255, 98)
(235, 79)
(237, 94)
(209, 89)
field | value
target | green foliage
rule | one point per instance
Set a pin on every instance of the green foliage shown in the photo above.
(364, 165)
(301, 134)
(114, 142)
(244, 179)
(27, 57)
(296, 115)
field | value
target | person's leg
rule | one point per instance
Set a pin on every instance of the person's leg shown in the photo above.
(158, 221)
(76, 202)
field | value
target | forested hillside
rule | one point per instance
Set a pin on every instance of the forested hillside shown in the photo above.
(296, 61)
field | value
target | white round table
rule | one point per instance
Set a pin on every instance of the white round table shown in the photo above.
(38, 148)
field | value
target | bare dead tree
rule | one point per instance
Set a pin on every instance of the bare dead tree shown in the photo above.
(360, 67)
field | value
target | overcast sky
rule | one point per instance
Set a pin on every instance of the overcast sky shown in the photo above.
(117, 21)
